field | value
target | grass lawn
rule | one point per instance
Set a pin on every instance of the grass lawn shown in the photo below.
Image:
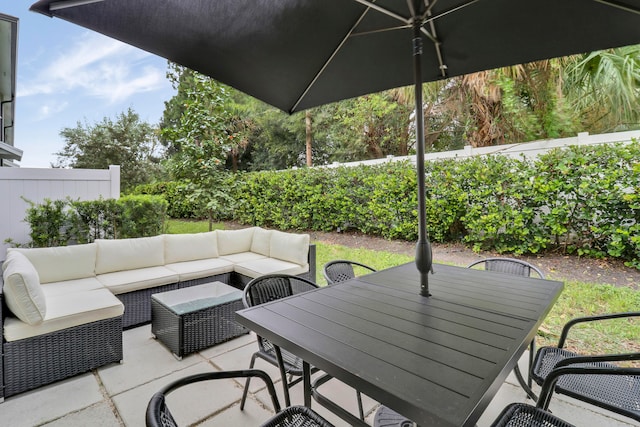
(578, 298)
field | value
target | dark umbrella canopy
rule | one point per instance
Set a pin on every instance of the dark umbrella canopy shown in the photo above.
(297, 54)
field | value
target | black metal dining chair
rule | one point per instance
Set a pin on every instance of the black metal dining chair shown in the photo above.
(617, 394)
(262, 290)
(525, 415)
(159, 415)
(519, 268)
(341, 269)
(508, 265)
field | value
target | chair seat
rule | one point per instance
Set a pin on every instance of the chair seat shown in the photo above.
(297, 416)
(620, 394)
(523, 415)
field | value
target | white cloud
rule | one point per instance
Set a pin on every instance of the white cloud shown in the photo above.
(46, 110)
(99, 67)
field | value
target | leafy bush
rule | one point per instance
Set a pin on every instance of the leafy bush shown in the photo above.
(62, 222)
(583, 200)
(180, 205)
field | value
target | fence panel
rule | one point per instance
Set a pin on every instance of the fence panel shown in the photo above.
(39, 184)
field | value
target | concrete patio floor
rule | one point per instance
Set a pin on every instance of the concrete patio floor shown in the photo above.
(117, 394)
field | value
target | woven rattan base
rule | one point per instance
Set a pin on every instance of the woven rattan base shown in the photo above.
(189, 332)
(34, 362)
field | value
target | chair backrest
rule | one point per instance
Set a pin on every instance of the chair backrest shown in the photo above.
(158, 413)
(509, 265)
(273, 287)
(341, 270)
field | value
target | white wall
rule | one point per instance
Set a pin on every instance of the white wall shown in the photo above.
(39, 184)
(528, 149)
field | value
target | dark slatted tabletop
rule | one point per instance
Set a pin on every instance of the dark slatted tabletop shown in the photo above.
(439, 360)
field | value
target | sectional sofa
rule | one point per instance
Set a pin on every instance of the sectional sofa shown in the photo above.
(63, 309)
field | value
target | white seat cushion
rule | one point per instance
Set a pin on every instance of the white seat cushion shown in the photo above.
(120, 282)
(242, 257)
(78, 285)
(190, 247)
(260, 267)
(66, 311)
(22, 289)
(60, 263)
(234, 241)
(261, 242)
(290, 247)
(129, 254)
(190, 270)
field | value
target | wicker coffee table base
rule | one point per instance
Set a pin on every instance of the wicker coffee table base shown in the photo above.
(187, 333)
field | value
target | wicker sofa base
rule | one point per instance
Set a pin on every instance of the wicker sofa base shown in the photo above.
(34, 362)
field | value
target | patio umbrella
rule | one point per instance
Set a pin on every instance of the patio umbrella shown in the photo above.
(297, 54)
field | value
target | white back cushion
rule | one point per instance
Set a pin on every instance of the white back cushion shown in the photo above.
(61, 263)
(129, 254)
(290, 247)
(261, 243)
(22, 289)
(190, 247)
(234, 241)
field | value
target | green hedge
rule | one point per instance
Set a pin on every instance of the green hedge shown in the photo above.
(62, 222)
(581, 200)
(179, 204)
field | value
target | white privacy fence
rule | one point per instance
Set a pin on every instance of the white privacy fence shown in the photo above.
(36, 185)
(527, 149)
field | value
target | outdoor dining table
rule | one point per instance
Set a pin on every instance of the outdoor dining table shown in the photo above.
(436, 360)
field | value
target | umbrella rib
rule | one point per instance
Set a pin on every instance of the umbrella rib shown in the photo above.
(328, 61)
(387, 12)
(446, 12)
(619, 6)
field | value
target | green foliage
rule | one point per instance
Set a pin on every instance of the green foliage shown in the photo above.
(582, 200)
(127, 142)
(141, 216)
(62, 222)
(176, 194)
(50, 222)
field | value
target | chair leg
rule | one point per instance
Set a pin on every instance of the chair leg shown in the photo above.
(246, 384)
(360, 408)
(532, 352)
(283, 374)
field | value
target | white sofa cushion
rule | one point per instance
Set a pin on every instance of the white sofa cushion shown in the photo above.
(67, 286)
(242, 257)
(261, 243)
(290, 247)
(234, 241)
(129, 254)
(22, 290)
(66, 311)
(60, 263)
(189, 247)
(260, 267)
(120, 282)
(190, 270)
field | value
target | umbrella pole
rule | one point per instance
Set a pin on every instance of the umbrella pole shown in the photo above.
(423, 247)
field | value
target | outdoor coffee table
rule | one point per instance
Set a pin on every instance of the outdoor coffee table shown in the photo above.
(189, 319)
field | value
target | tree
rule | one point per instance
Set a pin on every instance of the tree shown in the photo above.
(127, 142)
(202, 136)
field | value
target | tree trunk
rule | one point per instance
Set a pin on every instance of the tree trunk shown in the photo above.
(307, 120)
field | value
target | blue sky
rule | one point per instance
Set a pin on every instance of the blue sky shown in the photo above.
(67, 74)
